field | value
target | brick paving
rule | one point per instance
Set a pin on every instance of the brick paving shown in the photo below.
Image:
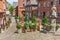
(30, 36)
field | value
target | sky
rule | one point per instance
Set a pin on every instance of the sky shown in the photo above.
(11, 1)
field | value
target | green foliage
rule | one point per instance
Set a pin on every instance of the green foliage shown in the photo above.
(26, 25)
(45, 21)
(51, 26)
(20, 19)
(26, 17)
(16, 17)
(35, 25)
(18, 26)
(11, 9)
(34, 19)
(58, 26)
(30, 25)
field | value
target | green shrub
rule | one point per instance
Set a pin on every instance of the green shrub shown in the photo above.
(51, 26)
(35, 25)
(16, 17)
(26, 25)
(58, 26)
(45, 21)
(30, 25)
(34, 19)
(18, 26)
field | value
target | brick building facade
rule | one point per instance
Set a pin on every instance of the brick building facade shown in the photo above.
(44, 8)
(21, 7)
(24, 5)
(2, 12)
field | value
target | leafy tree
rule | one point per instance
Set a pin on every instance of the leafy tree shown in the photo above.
(11, 9)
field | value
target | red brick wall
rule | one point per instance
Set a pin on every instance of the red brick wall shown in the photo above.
(1, 5)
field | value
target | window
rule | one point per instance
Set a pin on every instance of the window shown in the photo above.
(48, 4)
(47, 14)
(59, 1)
(39, 5)
(51, 3)
(28, 0)
(58, 14)
(44, 4)
(39, 14)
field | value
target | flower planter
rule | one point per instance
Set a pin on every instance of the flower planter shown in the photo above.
(35, 29)
(31, 30)
(24, 30)
(38, 28)
(20, 30)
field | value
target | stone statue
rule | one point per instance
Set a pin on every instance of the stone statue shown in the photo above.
(54, 11)
(53, 16)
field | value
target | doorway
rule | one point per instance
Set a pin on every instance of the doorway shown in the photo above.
(44, 14)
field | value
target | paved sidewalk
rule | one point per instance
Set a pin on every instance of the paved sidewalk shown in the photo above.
(10, 30)
(10, 35)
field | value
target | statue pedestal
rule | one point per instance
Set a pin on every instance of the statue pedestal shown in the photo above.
(53, 24)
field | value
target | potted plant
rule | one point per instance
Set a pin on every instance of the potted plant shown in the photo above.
(26, 19)
(30, 26)
(18, 26)
(16, 17)
(34, 21)
(25, 27)
(34, 26)
(58, 26)
(44, 22)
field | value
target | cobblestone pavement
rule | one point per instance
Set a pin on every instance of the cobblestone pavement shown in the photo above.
(30, 36)
(10, 35)
(10, 30)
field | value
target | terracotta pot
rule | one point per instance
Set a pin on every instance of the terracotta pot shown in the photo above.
(31, 30)
(24, 30)
(3, 28)
(38, 28)
(35, 29)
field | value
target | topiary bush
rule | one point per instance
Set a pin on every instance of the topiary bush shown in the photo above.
(26, 25)
(30, 25)
(45, 21)
(18, 26)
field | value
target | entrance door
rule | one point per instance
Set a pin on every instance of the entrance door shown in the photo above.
(43, 14)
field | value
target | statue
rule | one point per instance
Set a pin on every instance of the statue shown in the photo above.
(54, 11)
(53, 16)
